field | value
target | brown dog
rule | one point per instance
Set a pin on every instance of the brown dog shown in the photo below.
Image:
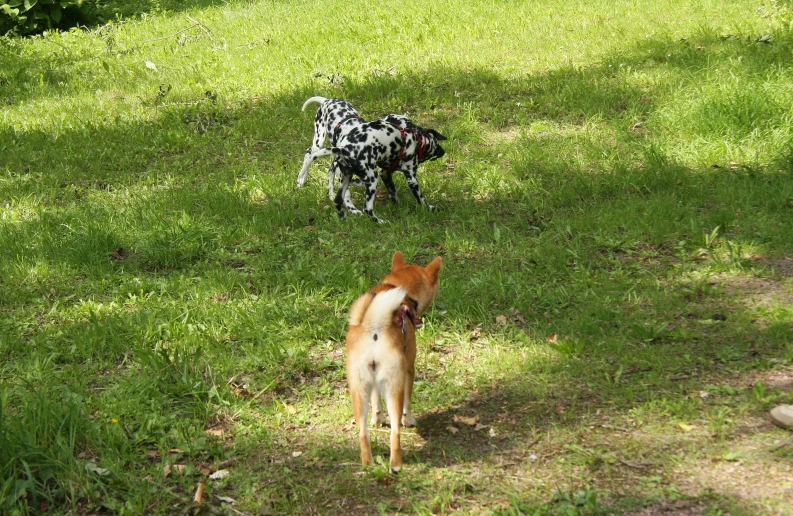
(381, 348)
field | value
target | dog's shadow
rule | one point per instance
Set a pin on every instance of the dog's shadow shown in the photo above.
(501, 421)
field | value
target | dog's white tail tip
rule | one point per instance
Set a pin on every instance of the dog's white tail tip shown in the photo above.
(317, 99)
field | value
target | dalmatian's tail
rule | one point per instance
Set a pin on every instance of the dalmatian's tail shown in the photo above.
(318, 100)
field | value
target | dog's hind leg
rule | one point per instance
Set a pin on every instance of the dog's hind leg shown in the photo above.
(360, 407)
(340, 195)
(303, 174)
(332, 173)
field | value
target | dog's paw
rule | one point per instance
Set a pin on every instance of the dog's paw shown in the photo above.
(408, 420)
(378, 419)
(431, 207)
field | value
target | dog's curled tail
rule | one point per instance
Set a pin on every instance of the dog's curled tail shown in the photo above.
(318, 100)
(374, 311)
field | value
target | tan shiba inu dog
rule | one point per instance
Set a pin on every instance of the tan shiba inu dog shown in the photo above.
(381, 348)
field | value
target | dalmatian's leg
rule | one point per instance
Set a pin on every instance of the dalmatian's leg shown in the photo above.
(389, 185)
(370, 183)
(343, 186)
(410, 175)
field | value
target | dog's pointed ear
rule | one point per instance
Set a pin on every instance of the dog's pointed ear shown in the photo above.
(434, 269)
(438, 136)
(397, 261)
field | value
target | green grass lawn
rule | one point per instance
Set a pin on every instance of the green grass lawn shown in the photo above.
(615, 210)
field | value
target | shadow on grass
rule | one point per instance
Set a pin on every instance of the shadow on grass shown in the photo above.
(182, 199)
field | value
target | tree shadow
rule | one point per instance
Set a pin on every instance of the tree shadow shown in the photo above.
(220, 169)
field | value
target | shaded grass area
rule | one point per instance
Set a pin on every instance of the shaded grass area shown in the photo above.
(162, 277)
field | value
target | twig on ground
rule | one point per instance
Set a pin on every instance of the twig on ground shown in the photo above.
(635, 465)
(202, 27)
(195, 24)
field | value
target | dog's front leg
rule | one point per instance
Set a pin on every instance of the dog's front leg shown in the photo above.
(370, 183)
(378, 418)
(389, 185)
(394, 400)
(407, 417)
(410, 175)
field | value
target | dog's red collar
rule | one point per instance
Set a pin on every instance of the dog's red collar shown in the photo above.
(421, 142)
(408, 313)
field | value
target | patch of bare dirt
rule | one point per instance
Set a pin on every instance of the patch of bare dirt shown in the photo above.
(755, 482)
(677, 508)
(756, 292)
(781, 379)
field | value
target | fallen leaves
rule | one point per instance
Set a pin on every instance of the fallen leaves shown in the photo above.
(199, 494)
(93, 468)
(176, 469)
(452, 429)
(221, 473)
(216, 432)
(501, 320)
(559, 409)
(470, 421)
(553, 337)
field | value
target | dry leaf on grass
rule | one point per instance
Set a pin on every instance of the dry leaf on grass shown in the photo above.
(476, 334)
(217, 432)
(199, 493)
(559, 409)
(479, 426)
(552, 338)
(685, 427)
(347, 428)
(501, 320)
(452, 429)
(226, 499)
(290, 409)
(153, 454)
(177, 469)
(297, 453)
(470, 421)
(217, 475)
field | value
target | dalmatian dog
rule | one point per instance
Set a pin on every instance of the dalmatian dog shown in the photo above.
(370, 145)
(333, 120)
